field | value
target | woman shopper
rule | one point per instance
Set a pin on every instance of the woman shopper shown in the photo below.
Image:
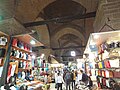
(73, 75)
(59, 81)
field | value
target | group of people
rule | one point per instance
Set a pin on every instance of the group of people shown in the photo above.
(70, 78)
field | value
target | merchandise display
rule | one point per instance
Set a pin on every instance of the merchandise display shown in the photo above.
(20, 69)
(107, 61)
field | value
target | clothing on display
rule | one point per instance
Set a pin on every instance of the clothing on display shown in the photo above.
(14, 42)
(115, 63)
(3, 41)
(2, 52)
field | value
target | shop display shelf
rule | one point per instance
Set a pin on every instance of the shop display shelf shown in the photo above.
(2, 46)
(19, 59)
(17, 48)
(21, 69)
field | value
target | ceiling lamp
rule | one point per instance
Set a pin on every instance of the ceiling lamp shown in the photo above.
(73, 53)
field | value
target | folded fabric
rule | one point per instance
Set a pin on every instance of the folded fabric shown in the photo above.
(107, 83)
(13, 70)
(17, 54)
(104, 81)
(99, 73)
(107, 64)
(115, 63)
(19, 75)
(100, 65)
(9, 73)
(1, 69)
(20, 54)
(14, 42)
(96, 72)
(96, 65)
(100, 79)
(99, 85)
(19, 44)
(116, 74)
(23, 75)
(29, 57)
(25, 47)
(111, 74)
(92, 72)
(1, 60)
(2, 52)
(107, 73)
(103, 73)
(3, 40)
(24, 55)
(24, 64)
(103, 65)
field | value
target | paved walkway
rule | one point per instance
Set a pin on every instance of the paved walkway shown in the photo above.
(52, 86)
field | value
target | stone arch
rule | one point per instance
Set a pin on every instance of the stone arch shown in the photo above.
(64, 31)
(67, 45)
(77, 43)
(44, 36)
(70, 25)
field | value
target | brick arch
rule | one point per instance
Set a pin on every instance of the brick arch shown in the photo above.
(67, 45)
(67, 51)
(43, 34)
(60, 33)
(72, 41)
(70, 25)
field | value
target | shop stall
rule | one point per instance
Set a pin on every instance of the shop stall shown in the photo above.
(16, 43)
(105, 50)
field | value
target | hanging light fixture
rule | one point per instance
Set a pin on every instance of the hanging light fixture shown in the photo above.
(73, 53)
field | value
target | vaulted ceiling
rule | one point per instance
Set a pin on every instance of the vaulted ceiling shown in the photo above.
(64, 28)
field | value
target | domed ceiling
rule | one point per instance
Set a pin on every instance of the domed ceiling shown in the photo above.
(67, 22)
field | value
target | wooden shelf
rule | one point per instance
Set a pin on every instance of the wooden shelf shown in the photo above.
(21, 69)
(19, 59)
(14, 47)
(2, 46)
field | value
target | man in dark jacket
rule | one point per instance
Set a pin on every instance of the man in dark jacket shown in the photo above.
(67, 79)
(84, 77)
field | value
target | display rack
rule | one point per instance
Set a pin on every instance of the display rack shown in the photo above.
(20, 55)
(104, 48)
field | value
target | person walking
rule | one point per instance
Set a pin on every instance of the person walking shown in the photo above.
(90, 83)
(67, 79)
(56, 75)
(59, 81)
(84, 77)
(73, 75)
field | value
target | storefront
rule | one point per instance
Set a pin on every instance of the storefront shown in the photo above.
(16, 60)
(103, 49)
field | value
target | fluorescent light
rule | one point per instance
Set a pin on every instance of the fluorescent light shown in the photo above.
(73, 53)
(96, 36)
(33, 42)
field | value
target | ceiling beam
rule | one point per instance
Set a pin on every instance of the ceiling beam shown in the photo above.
(68, 47)
(60, 19)
(69, 56)
(43, 47)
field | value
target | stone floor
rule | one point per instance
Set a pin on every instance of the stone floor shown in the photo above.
(52, 86)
